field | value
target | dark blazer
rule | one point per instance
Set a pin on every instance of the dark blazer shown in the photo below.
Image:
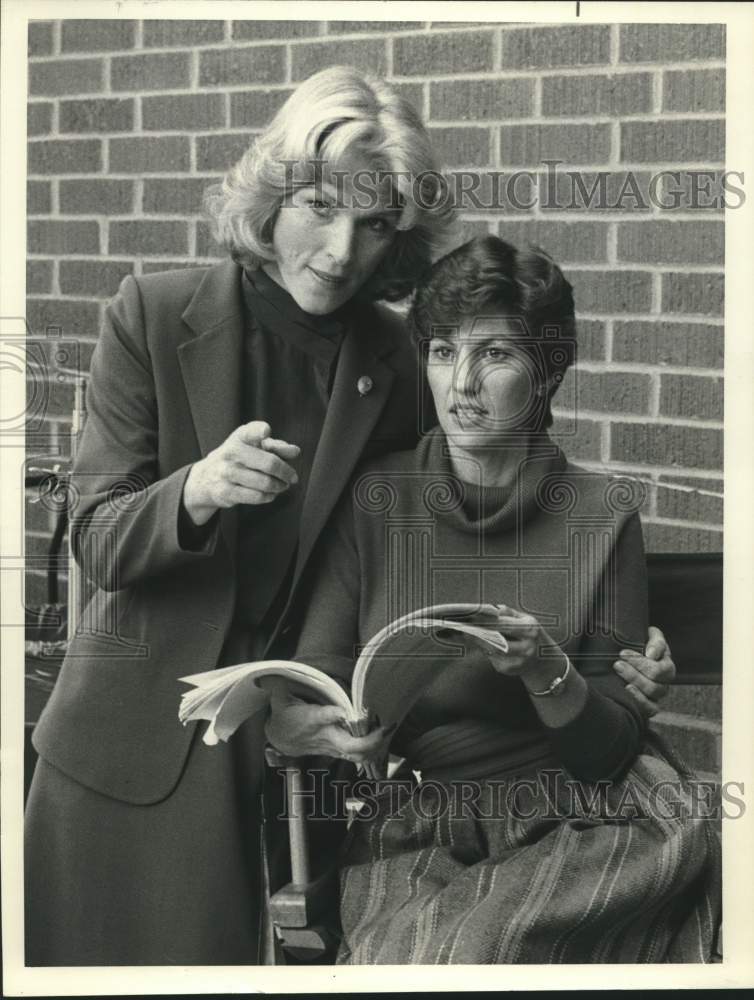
(165, 389)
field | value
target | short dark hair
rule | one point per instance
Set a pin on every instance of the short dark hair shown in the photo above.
(489, 276)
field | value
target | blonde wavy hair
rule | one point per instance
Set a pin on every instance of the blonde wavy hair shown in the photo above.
(331, 115)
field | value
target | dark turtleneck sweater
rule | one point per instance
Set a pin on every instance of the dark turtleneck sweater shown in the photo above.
(560, 545)
(289, 364)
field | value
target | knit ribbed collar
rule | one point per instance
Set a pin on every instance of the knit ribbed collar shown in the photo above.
(475, 508)
(281, 305)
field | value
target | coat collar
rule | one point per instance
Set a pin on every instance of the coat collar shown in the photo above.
(211, 367)
(351, 418)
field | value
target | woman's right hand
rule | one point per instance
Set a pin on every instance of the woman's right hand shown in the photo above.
(299, 729)
(249, 467)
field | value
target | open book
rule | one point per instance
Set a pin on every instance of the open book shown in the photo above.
(390, 674)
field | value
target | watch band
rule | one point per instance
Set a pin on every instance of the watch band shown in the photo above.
(556, 685)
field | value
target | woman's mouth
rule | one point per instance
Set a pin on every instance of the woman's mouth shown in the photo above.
(467, 411)
(331, 280)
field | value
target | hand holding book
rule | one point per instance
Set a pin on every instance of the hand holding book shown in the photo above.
(391, 672)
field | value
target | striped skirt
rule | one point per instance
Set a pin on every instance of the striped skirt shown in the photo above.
(539, 869)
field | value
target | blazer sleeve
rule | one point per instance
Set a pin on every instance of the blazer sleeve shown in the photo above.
(128, 520)
(605, 737)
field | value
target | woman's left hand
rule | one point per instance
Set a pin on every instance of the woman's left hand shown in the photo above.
(532, 654)
(647, 676)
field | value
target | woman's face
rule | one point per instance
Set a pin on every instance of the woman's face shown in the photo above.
(329, 238)
(484, 383)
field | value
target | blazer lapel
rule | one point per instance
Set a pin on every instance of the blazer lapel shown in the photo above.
(351, 417)
(211, 364)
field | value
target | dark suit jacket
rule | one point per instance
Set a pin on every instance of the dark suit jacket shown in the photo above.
(165, 389)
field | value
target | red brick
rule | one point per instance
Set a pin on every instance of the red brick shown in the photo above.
(567, 190)
(148, 237)
(590, 339)
(153, 155)
(154, 71)
(481, 100)
(549, 47)
(163, 34)
(581, 441)
(672, 242)
(413, 93)
(66, 76)
(673, 140)
(96, 115)
(38, 197)
(691, 190)
(75, 318)
(96, 196)
(367, 55)
(183, 112)
(611, 291)
(693, 293)
(619, 94)
(257, 64)
(174, 195)
(612, 392)
(531, 145)
(692, 396)
(64, 156)
(253, 30)
(156, 266)
(566, 242)
(38, 117)
(101, 35)
(99, 279)
(681, 505)
(38, 277)
(59, 236)
(443, 55)
(669, 42)
(475, 190)
(219, 152)
(390, 27)
(461, 146)
(255, 108)
(40, 38)
(205, 245)
(694, 90)
(693, 345)
(667, 445)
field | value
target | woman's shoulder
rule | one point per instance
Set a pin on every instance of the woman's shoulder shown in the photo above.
(602, 492)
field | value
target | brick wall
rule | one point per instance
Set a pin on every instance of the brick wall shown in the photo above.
(129, 120)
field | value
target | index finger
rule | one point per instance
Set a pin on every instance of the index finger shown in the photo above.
(283, 449)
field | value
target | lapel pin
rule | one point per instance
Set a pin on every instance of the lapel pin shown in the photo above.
(364, 385)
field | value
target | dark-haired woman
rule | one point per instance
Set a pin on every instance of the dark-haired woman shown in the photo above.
(548, 825)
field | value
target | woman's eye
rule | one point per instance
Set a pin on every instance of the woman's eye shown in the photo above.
(319, 206)
(496, 353)
(441, 353)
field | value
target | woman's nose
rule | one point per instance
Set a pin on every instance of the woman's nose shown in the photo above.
(341, 234)
(466, 375)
